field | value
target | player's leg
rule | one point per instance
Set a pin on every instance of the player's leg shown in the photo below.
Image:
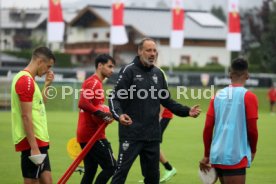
(149, 160)
(30, 181)
(164, 124)
(221, 180)
(31, 172)
(273, 107)
(162, 157)
(170, 171)
(106, 160)
(220, 176)
(232, 176)
(128, 152)
(90, 165)
(234, 179)
(45, 176)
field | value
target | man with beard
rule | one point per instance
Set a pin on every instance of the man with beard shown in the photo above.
(91, 116)
(135, 103)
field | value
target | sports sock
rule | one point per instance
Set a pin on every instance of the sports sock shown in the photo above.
(167, 166)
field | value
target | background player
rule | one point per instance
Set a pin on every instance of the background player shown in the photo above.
(29, 121)
(230, 134)
(92, 114)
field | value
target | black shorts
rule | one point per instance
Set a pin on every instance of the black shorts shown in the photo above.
(163, 124)
(29, 169)
(230, 172)
(272, 102)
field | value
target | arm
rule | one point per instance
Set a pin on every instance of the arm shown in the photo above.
(92, 93)
(26, 114)
(87, 96)
(175, 107)
(25, 91)
(252, 133)
(207, 136)
(115, 103)
(48, 81)
(251, 106)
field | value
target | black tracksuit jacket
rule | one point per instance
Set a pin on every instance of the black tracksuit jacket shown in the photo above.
(143, 112)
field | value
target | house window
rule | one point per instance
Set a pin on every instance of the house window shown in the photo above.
(185, 59)
(95, 35)
(107, 35)
(214, 60)
(7, 31)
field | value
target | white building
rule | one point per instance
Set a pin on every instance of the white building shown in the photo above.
(24, 28)
(19, 27)
(205, 35)
(87, 34)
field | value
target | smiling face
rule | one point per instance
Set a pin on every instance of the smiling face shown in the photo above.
(148, 53)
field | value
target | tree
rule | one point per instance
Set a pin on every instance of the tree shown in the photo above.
(218, 12)
(262, 48)
(161, 4)
(268, 41)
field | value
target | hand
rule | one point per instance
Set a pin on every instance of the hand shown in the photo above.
(106, 116)
(49, 78)
(35, 151)
(195, 111)
(204, 164)
(125, 119)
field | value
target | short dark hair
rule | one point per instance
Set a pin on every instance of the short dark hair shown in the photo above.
(103, 59)
(141, 43)
(43, 52)
(239, 65)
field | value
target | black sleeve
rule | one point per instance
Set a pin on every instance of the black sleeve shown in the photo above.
(123, 83)
(173, 106)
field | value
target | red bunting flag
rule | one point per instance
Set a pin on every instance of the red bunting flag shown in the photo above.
(234, 26)
(178, 14)
(118, 32)
(55, 27)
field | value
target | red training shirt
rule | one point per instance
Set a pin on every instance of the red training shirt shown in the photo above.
(167, 114)
(91, 96)
(272, 94)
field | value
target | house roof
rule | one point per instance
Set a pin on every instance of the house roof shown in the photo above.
(156, 23)
(150, 22)
(12, 18)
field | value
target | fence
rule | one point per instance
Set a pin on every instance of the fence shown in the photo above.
(65, 95)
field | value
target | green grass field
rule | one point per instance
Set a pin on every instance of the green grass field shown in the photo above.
(182, 146)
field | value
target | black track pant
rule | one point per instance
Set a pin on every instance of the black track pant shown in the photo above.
(149, 159)
(100, 154)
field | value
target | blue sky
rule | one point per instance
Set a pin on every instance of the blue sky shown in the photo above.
(189, 4)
